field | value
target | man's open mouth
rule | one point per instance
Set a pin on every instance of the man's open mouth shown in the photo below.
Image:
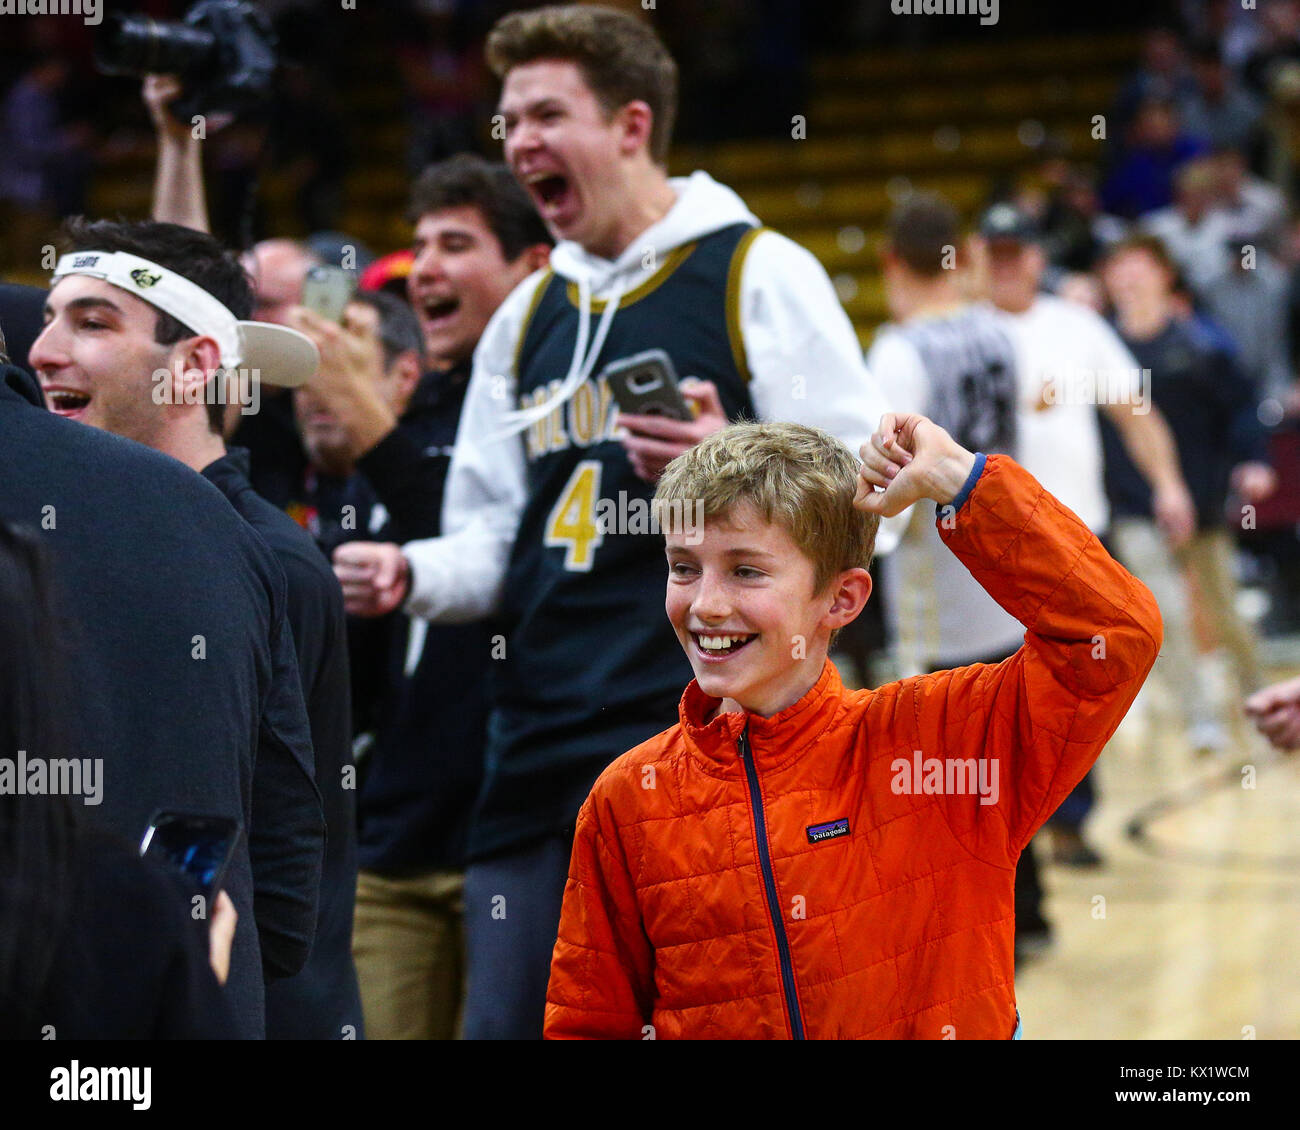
(721, 645)
(550, 191)
(65, 402)
(437, 309)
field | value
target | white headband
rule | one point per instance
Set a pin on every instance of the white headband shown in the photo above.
(282, 355)
(185, 301)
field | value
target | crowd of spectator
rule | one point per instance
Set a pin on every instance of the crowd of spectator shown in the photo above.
(1196, 158)
(1183, 239)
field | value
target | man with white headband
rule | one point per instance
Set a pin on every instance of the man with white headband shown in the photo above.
(245, 351)
(147, 336)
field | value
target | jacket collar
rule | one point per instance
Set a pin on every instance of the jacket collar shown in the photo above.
(19, 382)
(775, 741)
(229, 474)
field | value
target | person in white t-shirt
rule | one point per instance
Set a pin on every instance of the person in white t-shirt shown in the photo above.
(1067, 362)
(1072, 365)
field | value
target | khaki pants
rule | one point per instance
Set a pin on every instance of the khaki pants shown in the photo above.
(1208, 557)
(408, 942)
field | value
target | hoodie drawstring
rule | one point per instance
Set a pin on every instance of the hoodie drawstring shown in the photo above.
(584, 360)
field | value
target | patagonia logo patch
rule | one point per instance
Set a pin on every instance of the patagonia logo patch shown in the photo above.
(819, 832)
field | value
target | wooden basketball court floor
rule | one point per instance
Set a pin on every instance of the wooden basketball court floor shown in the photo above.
(1191, 929)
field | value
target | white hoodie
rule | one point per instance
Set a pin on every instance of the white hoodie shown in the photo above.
(804, 359)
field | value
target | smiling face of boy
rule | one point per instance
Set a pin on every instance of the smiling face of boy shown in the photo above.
(743, 605)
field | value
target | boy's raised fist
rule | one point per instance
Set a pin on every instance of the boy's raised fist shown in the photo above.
(909, 458)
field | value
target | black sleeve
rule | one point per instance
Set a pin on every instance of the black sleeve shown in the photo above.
(310, 613)
(286, 841)
(131, 960)
(409, 481)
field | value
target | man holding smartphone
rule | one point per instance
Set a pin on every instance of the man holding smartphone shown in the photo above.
(157, 579)
(378, 430)
(587, 666)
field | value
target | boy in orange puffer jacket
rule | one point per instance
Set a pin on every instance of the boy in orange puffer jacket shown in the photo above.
(798, 860)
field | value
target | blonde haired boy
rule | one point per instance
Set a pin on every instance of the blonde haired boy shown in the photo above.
(795, 860)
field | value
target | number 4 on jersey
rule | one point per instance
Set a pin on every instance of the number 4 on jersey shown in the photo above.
(572, 524)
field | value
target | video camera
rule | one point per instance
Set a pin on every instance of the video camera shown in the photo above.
(223, 52)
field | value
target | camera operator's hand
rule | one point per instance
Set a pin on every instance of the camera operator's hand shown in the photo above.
(160, 91)
(178, 196)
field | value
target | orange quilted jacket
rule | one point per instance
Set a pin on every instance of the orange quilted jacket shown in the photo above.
(845, 868)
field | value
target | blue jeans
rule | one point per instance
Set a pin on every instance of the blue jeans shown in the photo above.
(512, 914)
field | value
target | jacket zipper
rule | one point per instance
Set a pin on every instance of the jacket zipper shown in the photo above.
(769, 883)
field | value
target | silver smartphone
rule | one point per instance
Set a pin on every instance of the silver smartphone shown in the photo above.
(645, 384)
(328, 290)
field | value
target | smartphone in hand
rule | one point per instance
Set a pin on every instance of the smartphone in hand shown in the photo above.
(200, 846)
(646, 384)
(328, 290)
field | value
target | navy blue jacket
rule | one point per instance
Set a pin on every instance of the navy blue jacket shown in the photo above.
(426, 729)
(323, 1001)
(21, 316)
(187, 681)
(1212, 407)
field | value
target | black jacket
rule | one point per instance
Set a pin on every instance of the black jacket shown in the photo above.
(184, 664)
(21, 318)
(129, 963)
(427, 729)
(322, 1000)
(1212, 409)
